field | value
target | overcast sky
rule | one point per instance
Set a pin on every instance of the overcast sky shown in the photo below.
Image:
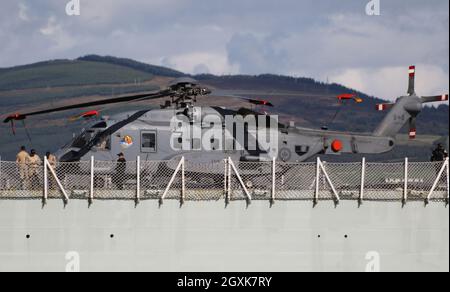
(312, 38)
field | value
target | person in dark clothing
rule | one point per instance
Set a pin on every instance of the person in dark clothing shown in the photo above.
(119, 176)
(439, 154)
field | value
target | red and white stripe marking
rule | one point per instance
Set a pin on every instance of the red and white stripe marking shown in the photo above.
(444, 97)
(412, 70)
(412, 133)
(382, 107)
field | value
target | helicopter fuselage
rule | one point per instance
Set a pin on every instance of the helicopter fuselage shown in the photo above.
(160, 134)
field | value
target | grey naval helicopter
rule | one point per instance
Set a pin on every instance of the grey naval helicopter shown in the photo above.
(148, 133)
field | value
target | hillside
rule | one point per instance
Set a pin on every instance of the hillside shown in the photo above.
(151, 69)
(303, 100)
(68, 73)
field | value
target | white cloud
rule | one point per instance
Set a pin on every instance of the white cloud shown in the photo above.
(23, 12)
(59, 38)
(392, 82)
(196, 62)
(51, 28)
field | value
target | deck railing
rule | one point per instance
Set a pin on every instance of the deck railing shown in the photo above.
(226, 180)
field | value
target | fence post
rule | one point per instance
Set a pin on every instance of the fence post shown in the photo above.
(225, 178)
(327, 179)
(91, 189)
(363, 181)
(274, 178)
(445, 167)
(58, 182)
(405, 190)
(448, 180)
(166, 191)
(45, 198)
(228, 197)
(1, 179)
(183, 182)
(138, 180)
(244, 187)
(316, 194)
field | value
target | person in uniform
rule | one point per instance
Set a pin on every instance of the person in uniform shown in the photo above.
(51, 159)
(119, 175)
(439, 154)
(22, 160)
(33, 163)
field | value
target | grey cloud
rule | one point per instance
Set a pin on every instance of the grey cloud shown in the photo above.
(201, 69)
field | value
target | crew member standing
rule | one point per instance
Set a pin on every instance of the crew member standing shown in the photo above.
(51, 160)
(119, 176)
(22, 160)
(439, 154)
(34, 162)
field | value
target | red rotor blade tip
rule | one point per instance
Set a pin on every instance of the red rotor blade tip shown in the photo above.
(412, 70)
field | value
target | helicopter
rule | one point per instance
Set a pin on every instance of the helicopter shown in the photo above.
(163, 134)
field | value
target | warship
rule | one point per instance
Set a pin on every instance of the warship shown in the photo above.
(229, 210)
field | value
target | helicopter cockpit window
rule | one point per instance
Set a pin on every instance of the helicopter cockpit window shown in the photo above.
(83, 139)
(148, 141)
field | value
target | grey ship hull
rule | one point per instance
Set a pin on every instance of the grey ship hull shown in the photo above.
(204, 236)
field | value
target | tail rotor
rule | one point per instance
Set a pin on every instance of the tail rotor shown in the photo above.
(405, 110)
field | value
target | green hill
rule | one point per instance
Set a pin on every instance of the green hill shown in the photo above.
(68, 73)
(152, 69)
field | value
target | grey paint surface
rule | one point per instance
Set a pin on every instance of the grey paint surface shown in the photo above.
(204, 236)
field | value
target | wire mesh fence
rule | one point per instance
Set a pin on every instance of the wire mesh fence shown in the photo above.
(295, 181)
(226, 180)
(344, 177)
(384, 182)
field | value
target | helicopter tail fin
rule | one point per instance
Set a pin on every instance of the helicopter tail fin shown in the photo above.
(397, 117)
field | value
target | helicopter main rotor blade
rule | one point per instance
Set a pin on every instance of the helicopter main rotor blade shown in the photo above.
(248, 99)
(127, 98)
